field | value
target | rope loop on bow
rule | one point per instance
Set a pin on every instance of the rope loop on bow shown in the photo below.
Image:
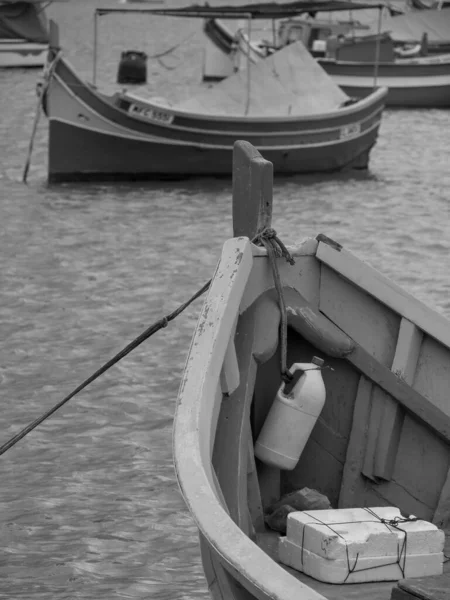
(276, 249)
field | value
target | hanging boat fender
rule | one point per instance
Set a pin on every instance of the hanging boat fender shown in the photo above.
(291, 417)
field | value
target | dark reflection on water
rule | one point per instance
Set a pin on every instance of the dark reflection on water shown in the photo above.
(89, 503)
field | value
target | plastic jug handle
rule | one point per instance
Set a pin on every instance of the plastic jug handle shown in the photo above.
(304, 367)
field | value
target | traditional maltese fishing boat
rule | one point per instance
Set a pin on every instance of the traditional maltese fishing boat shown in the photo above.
(374, 364)
(357, 60)
(23, 33)
(286, 106)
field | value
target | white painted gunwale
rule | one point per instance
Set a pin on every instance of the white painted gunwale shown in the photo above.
(248, 563)
(74, 106)
(360, 105)
(394, 81)
(369, 101)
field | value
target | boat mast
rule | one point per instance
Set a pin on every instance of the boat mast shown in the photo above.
(377, 48)
(94, 64)
(249, 31)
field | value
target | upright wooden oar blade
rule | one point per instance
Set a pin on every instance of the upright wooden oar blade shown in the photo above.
(252, 190)
(53, 34)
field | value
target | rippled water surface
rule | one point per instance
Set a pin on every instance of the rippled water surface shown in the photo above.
(89, 506)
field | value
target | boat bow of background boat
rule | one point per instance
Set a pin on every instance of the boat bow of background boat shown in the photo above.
(382, 438)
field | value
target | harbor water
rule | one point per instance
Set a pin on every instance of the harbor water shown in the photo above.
(89, 504)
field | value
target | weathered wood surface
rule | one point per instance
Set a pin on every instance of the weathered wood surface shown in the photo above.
(399, 447)
(353, 485)
(427, 588)
(403, 365)
(220, 584)
(374, 283)
(314, 327)
(365, 320)
(252, 190)
(441, 516)
(53, 29)
(385, 414)
(232, 436)
(237, 569)
(304, 276)
(229, 377)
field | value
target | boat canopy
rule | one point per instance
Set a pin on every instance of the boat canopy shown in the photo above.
(289, 83)
(23, 20)
(266, 10)
(410, 27)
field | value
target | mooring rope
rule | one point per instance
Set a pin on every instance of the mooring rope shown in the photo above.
(131, 346)
(269, 238)
(47, 75)
(275, 247)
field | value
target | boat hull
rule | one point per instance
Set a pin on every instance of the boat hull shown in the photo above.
(419, 84)
(95, 155)
(93, 137)
(22, 54)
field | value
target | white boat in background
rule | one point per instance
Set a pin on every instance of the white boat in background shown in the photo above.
(23, 34)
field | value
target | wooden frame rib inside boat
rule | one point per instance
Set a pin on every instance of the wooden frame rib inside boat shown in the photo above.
(382, 437)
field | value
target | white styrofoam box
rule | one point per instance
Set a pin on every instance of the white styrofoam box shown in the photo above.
(357, 531)
(381, 568)
(354, 545)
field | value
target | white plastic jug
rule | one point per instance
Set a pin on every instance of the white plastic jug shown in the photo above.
(291, 418)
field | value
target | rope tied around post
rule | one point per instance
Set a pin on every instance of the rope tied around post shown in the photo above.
(42, 89)
(276, 249)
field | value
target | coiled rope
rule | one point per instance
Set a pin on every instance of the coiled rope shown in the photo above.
(268, 237)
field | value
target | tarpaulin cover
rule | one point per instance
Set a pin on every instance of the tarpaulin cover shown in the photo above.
(23, 20)
(288, 83)
(411, 26)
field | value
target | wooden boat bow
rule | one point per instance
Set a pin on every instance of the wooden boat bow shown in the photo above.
(382, 437)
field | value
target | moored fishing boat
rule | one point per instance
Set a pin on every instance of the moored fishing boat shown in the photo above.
(410, 27)
(23, 34)
(286, 106)
(408, 59)
(383, 435)
(418, 82)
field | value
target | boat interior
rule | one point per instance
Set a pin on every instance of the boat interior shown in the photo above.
(365, 449)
